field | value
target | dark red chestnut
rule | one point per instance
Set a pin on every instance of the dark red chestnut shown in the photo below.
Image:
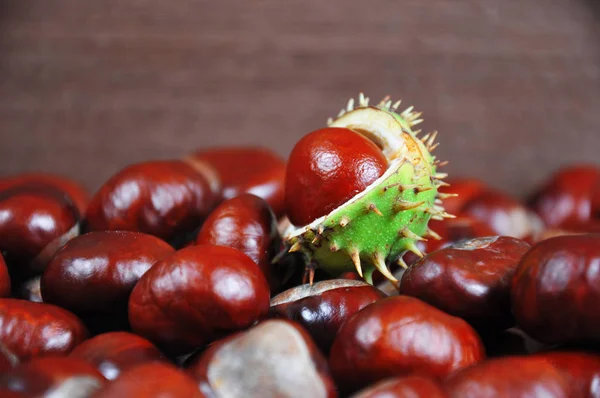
(555, 295)
(276, 358)
(4, 279)
(115, 352)
(95, 272)
(583, 369)
(8, 360)
(160, 198)
(323, 307)
(197, 294)
(566, 197)
(504, 214)
(152, 380)
(398, 336)
(404, 387)
(52, 377)
(464, 190)
(35, 329)
(258, 171)
(327, 168)
(470, 279)
(247, 224)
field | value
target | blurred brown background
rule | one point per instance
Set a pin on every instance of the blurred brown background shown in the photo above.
(87, 87)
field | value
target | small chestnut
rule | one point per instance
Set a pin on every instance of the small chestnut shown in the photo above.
(196, 295)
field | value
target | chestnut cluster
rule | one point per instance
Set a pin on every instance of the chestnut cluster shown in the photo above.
(169, 282)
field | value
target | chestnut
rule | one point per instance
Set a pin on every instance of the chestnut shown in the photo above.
(566, 197)
(459, 192)
(247, 224)
(151, 380)
(4, 279)
(276, 358)
(323, 307)
(36, 329)
(470, 279)
(504, 214)
(115, 352)
(583, 370)
(52, 377)
(401, 335)
(36, 221)
(95, 272)
(404, 387)
(8, 360)
(160, 198)
(326, 168)
(555, 295)
(254, 170)
(197, 294)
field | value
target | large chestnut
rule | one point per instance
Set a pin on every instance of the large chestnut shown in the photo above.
(152, 380)
(276, 358)
(470, 279)
(323, 307)
(566, 197)
(326, 168)
(196, 295)
(398, 336)
(254, 170)
(115, 352)
(160, 198)
(53, 377)
(555, 295)
(404, 387)
(247, 224)
(4, 279)
(95, 272)
(36, 329)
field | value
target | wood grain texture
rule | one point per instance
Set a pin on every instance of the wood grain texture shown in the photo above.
(87, 87)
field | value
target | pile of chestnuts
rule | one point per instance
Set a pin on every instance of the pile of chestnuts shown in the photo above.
(175, 280)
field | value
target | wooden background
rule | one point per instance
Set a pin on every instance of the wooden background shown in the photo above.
(87, 87)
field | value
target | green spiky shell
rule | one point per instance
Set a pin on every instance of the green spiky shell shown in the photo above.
(381, 223)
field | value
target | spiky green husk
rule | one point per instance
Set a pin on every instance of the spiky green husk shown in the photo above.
(380, 224)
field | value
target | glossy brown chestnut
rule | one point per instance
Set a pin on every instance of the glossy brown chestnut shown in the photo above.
(555, 295)
(31, 330)
(470, 279)
(8, 360)
(4, 279)
(520, 376)
(160, 198)
(76, 192)
(115, 352)
(276, 358)
(95, 272)
(404, 387)
(254, 170)
(398, 336)
(193, 296)
(152, 380)
(504, 214)
(583, 370)
(247, 224)
(323, 307)
(36, 221)
(53, 377)
(326, 168)
(465, 189)
(566, 197)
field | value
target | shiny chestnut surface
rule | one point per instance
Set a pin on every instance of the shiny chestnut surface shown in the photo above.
(470, 279)
(4, 279)
(398, 336)
(566, 197)
(583, 370)
(160, 198)
(465, 189)
(258, 171)
(284, 362)
(555, 295)
(245, 223)
(30, 329)
(197, 294)
(327, 168)
(404, 387)
(323, 307)
(52, 377)
(96, 272)
(8, 360)
(115, 352)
